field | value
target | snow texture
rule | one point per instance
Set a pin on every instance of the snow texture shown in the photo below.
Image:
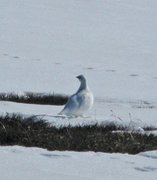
(33, 163)
(44, 44)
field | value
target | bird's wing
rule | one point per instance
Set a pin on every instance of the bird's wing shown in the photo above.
(72, 104)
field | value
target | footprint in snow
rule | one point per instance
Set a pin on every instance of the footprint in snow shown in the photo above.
(134, 75)
(55, 155)
(89, 68)
(57, 63)
(16, 57)
(146, 169)
(110, 70)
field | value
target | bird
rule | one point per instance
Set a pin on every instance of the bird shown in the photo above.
(80, 102)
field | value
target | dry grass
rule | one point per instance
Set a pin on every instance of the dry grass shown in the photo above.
(35, 98)
(30, 131)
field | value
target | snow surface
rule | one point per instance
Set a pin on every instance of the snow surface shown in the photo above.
(44, 44)
(34, 163)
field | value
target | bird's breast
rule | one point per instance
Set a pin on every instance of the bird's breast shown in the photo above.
(86, 99)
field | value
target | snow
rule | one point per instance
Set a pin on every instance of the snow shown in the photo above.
(46, 43)
(34, 163)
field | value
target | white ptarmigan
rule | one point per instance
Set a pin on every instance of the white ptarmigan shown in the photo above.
(80, 102)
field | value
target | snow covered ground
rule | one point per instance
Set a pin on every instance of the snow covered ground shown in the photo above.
(44, 44)
(34, 163)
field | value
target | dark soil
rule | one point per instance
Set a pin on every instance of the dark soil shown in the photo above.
(30, 132)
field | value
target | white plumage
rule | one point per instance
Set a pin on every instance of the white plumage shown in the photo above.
(80, 102)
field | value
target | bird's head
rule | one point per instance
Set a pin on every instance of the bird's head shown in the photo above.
(83, 82)
(81, 78)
